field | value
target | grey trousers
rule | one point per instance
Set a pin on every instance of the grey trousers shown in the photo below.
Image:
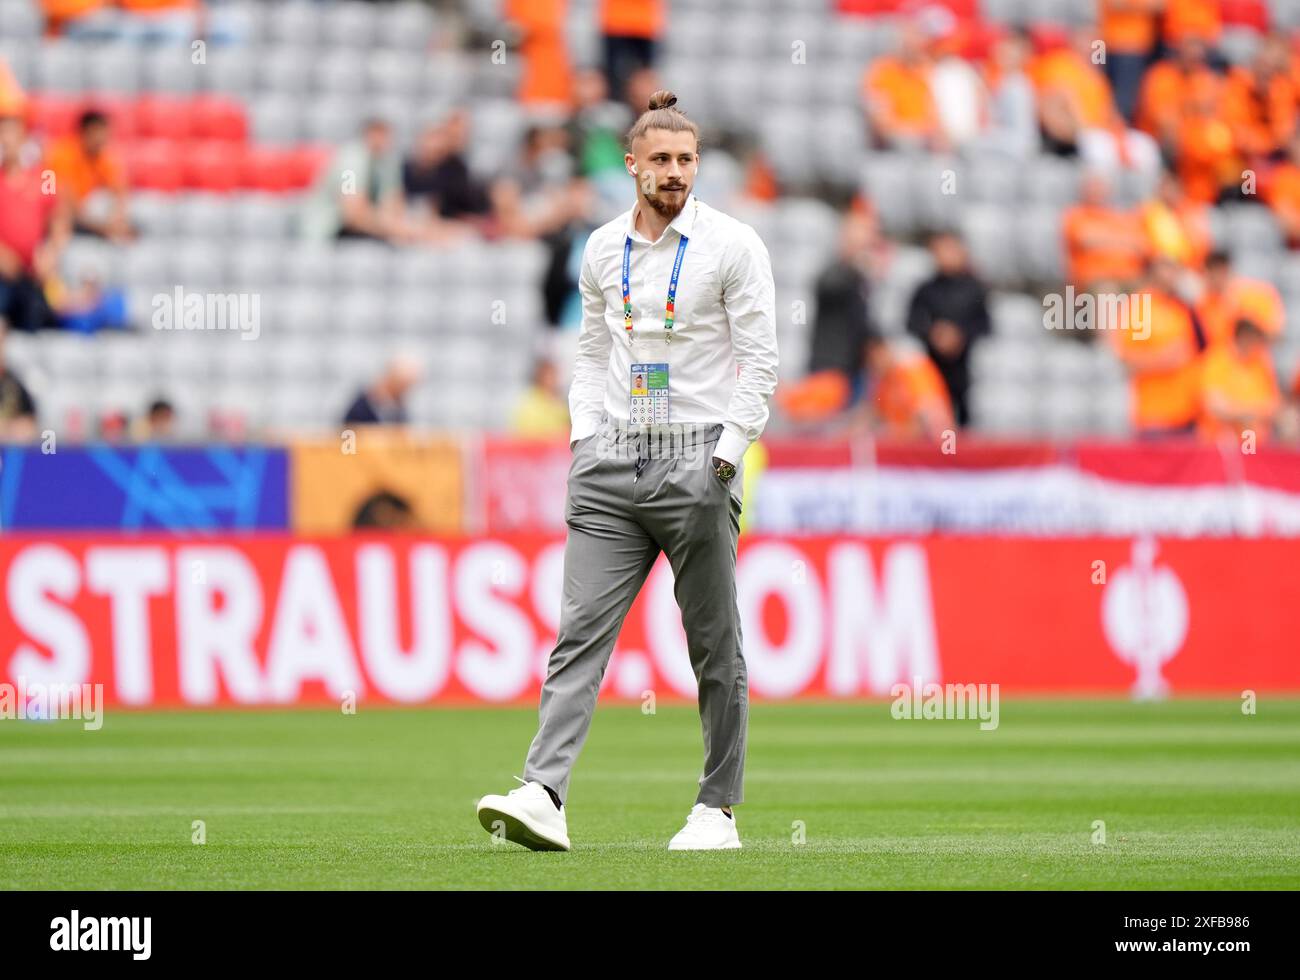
(634, 491)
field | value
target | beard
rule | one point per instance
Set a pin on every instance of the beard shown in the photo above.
(667, 208)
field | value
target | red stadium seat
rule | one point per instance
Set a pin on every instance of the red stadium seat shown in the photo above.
(53, 115)
(213, 165)
(163, 117)
(267, 169)
(307, 162)
(153, 165)
(217, 118)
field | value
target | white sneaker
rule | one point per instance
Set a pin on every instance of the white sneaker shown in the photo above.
(527, 816)
(707, 829)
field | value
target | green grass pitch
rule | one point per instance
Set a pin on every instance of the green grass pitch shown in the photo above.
(1193, 793)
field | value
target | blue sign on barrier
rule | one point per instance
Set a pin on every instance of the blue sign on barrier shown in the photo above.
(144, 488)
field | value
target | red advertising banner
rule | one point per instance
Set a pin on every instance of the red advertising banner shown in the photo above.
(285, 620)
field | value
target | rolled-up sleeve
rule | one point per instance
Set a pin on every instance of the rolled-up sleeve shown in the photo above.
(749, 296)
(587, 392)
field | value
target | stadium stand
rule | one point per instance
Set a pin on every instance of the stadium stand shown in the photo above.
(226, 118)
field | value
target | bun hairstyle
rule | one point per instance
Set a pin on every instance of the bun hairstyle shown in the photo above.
(662, 114)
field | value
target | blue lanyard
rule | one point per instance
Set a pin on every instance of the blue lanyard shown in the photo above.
(672, 285)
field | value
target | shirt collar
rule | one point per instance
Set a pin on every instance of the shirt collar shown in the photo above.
(682, 224)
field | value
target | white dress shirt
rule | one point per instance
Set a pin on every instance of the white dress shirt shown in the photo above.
(722, 356)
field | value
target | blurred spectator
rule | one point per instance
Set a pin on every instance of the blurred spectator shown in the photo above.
(546, 77)
(1192, 18)
(89, 171)
(531, 197)
(34, 227)
(1238, 387)
(1282, 192)
(1129, 29)
(1160, 346)
(437, 180)
(948, 313)
(1013, 113)
(1176, 226)
(359, 195)
(17, 410)
(560, 293)
(905, 396)
(630, 31)
(596, 127)
(1168, 85)
(641, 84)
(543, 409)
(900, 106)
(1209, 164)
(113, 426)
(841, 326)
(385, 511)
(1077, 110)
(384, 402)
(760, 182)
(1104, 245)
(89, 306)
(1225, 298)
(158, 423)
(842, 321)
(1259, 102)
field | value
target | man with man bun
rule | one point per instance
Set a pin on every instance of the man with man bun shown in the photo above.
(676, 363)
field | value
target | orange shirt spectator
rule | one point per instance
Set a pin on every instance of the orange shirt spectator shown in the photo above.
(1084, 86)
(1208, 156)
(899, 94)
(632, 18)
(1238, 389)
(1162, 103)
(1192, 18)
(816, 397)
(1103, 245)
(1162, 358)
(1129, 26)
(546, 77)
(1260, 303)
(1259, 110)
(80, 174)
(1254, 299)
(910, 397)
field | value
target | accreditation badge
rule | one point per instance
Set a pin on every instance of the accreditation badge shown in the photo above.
(648, 401)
